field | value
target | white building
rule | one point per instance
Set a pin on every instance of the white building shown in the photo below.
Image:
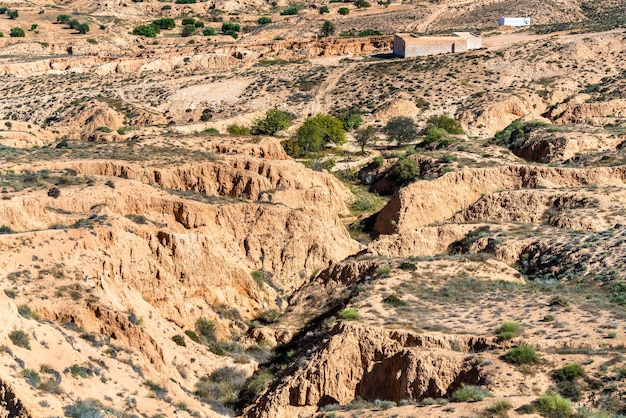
(407, 45)
(514, 21)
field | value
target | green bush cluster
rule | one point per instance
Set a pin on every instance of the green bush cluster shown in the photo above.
(264, 20)
(17, 33)
(275, 120)
(289, 11)
(314, 134)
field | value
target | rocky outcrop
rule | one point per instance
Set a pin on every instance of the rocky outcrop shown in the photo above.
(10, 405)
(595, 113)
(426, 202)
(372, 363)
(498, 114)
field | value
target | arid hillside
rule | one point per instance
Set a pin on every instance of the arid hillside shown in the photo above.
(245, 208)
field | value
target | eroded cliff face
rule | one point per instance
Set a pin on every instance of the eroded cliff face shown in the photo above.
(427, 202)
(168, 246)
(372, 363)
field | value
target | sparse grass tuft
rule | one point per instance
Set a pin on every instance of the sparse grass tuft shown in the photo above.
(569, 372)
(470, 393)
(349, 314)
(554, 406)
(524, 354)
(508, 330)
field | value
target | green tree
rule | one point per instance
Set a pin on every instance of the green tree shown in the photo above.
(328, 28)
(275, 120)
(230, 27)
(149, 31)
(188, 21)
(209, 31)
(13, 14)
(17, 33)
(362, 4)
(350, 118)
(315, 133)
(446, 123)
(401, 129)
(324, 9)
(165, 23)
(366, 136)
(344, 11)
(264, 20)
(405, 171)
(188, 30)
(82, 28)
(289, 11)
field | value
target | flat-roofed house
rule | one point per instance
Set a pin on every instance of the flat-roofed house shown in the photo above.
(407, 45)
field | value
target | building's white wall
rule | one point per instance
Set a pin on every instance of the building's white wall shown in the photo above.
(514, 21)
(436, 47)
(474, 42)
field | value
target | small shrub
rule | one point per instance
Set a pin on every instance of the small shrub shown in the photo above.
(554, 406)
(344, 11)
(508, 330)
(188, 21)
(193, 336)
(110, 184)
(105, 129)
(17, 33)
(179, 340)
(500, 408)
(394, 300)
(26, 312)
(548, 318)
(612, 335)
(20, 339)
(363, 203)
(382, 271)
(32, 377)
(11, 293)
(258, 277)
(524, 354)
(324, 9)
(206, 330)
(54, 192)
(158, 390)
(50, 386)
(349, 314)
(470, 393)
(13, 14)
(211, 131)
(264, 20)
(378, 161)
(289, 11)
(569, 372)
(78, 371)
(235, 129)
